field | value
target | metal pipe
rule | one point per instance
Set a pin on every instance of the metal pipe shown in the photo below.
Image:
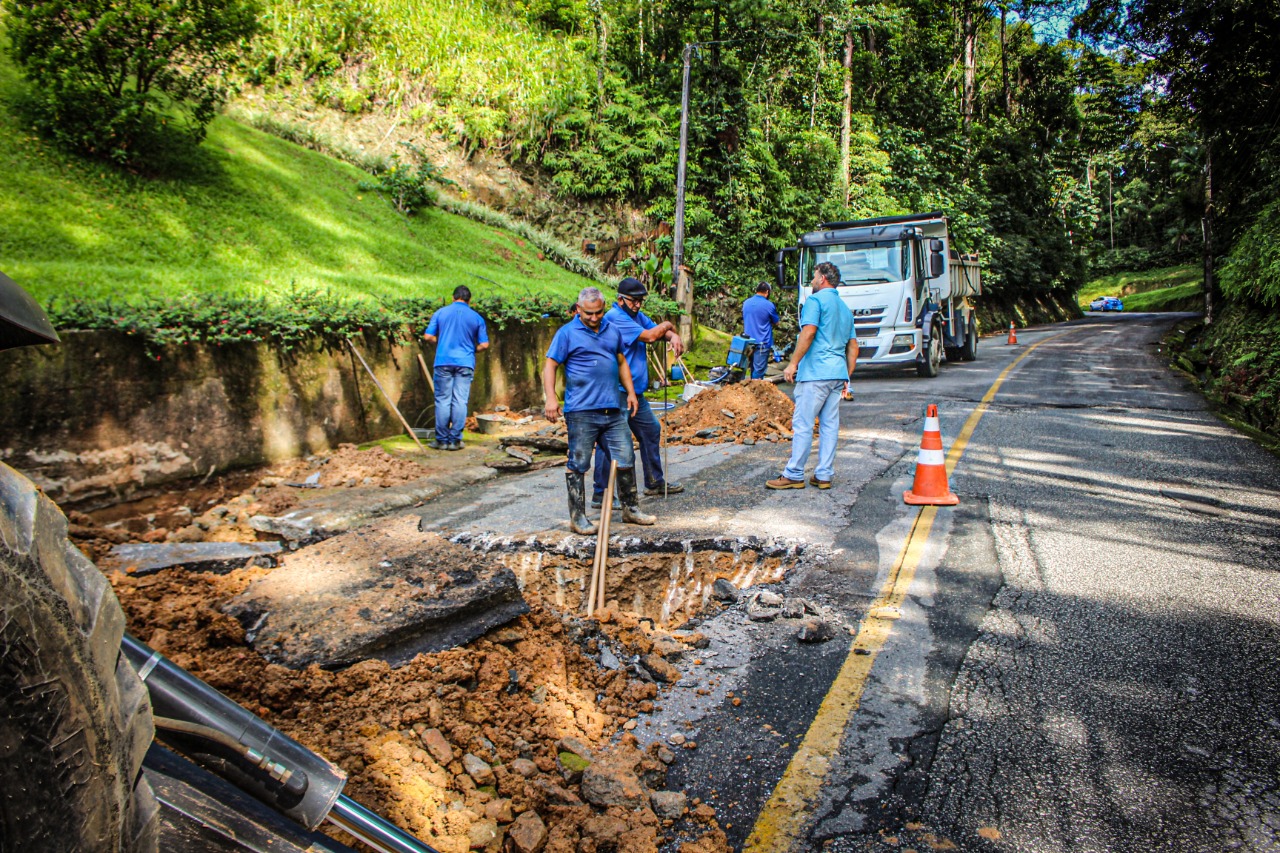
(677, 243)
(373, 830)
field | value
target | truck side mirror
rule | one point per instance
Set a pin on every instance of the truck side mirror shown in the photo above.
(935, 258)
(782, 268)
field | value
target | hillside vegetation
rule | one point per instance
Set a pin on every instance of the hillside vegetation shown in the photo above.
(1164, 289)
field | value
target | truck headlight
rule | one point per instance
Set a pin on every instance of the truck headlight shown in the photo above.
(904, 340)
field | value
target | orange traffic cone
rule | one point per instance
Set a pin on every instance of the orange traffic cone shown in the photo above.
(1013, 335)
(930, 487)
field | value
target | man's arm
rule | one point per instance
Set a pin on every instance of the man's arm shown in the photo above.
(482, 338)
(481, 347)
(624, 374)
(551, 406)
(429, 338)
(851, 354)
(807, 334)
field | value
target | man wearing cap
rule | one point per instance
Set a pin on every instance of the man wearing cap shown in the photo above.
(458, 333)
(823, 362)
(595, 411)
(638, 331)
(759, 316)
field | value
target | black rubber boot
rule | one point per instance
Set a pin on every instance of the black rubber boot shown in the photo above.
(578, 521)
(631, 513)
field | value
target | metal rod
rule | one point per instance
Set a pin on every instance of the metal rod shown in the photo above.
(677, 245)
(374, 830)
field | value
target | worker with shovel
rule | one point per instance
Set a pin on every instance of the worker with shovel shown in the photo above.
(591, 350)
(638, 331)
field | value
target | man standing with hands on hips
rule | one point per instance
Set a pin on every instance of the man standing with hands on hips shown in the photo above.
(591, 350)
(458, 333)
(823, 362)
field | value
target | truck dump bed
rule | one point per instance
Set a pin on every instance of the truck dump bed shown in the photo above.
(966, 275)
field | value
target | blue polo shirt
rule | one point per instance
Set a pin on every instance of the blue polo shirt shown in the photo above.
(758, 319)
(590, 359)
(458, 330)
(825, 357)
(634, 350)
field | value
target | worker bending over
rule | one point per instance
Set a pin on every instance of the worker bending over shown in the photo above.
(591, 350)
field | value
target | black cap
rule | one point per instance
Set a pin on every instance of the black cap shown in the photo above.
(632, 287)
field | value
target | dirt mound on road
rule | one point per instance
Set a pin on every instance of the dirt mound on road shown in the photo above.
(745, 412)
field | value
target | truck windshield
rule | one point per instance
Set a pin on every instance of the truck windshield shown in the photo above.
(860, 263)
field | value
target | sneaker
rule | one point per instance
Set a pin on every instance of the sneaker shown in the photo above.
(784, 483)
(668, 488)
(438, 445)
(821, 484)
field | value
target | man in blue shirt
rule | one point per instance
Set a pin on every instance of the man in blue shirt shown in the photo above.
(825, 356)
(759, 316)
(638, 331)
(458, 333)
(591, 351)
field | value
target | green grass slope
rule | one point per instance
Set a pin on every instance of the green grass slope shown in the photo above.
(1165, 289)
(247, 215)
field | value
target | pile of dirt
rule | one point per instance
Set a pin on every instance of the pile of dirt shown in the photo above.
(220, 512)
(503, 741)
(743, 413)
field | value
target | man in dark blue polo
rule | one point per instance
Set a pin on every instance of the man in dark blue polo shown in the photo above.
(759, 316)
(458, 333)
(590, 349)
(638, 331)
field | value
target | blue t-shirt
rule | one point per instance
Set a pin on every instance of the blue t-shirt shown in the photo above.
(825, 357)
(590, 359)
(633, 349)
(458, 329)
(758, 319)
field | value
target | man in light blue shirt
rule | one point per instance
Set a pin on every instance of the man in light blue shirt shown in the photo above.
(458, 333)
(595, 411)
(825, 356)
(759, 316)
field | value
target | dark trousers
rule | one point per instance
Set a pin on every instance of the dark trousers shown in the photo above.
(648, 432)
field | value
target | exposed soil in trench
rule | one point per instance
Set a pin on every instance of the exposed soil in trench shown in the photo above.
(517, 700)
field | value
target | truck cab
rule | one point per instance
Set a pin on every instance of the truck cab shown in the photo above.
(909, 290)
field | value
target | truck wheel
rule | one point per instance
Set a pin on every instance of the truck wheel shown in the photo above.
(969, 352)
(76, 719)
(931, 362)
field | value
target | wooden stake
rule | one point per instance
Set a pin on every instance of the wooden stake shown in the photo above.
(606, 517)
(426, 374)
(385, 395)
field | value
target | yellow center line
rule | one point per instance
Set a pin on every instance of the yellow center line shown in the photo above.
(784, 816)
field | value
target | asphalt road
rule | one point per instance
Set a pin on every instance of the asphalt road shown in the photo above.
(1081, 656)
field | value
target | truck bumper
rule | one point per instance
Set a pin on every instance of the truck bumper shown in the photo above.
(892, 346)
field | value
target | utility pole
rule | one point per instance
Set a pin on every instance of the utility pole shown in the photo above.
(684, 287)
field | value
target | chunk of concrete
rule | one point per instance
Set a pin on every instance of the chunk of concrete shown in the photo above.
(145, 558)
(386, 591)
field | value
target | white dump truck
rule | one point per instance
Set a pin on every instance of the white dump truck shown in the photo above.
(910, 291)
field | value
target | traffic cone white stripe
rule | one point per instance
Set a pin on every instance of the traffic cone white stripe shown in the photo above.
(931, 457)
(931, 425)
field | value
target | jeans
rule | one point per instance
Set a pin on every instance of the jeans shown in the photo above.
(760, 361)
(645, 427)
(598, 426)
(821, 399)
(453, 391)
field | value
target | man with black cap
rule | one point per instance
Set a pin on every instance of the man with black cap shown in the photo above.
(638, 331)
(759, 316)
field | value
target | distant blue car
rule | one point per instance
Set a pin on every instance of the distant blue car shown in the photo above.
(1106, 303)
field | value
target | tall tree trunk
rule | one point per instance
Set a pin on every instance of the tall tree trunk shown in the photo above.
(1211, 295)
(969, 50)
(846, 116)
(602, 51)
(817, 72)
(1004, 62)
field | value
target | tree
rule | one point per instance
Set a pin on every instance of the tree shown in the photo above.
(109, 73)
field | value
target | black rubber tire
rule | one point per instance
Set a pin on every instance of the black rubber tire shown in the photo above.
(929, 366)
(76, 719)
(969, 352)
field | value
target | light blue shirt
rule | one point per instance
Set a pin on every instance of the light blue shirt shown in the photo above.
(825, 358)
(458, 330)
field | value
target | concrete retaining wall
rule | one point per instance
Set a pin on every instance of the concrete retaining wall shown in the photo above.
(95, 420)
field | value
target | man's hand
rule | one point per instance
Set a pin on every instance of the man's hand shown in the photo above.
(552, 410)
(676, 344)
(632, 402)
(789, 372)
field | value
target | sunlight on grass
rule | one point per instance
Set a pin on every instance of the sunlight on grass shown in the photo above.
(1128, 285)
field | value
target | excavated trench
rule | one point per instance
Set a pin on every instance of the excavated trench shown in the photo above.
(666, 581)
